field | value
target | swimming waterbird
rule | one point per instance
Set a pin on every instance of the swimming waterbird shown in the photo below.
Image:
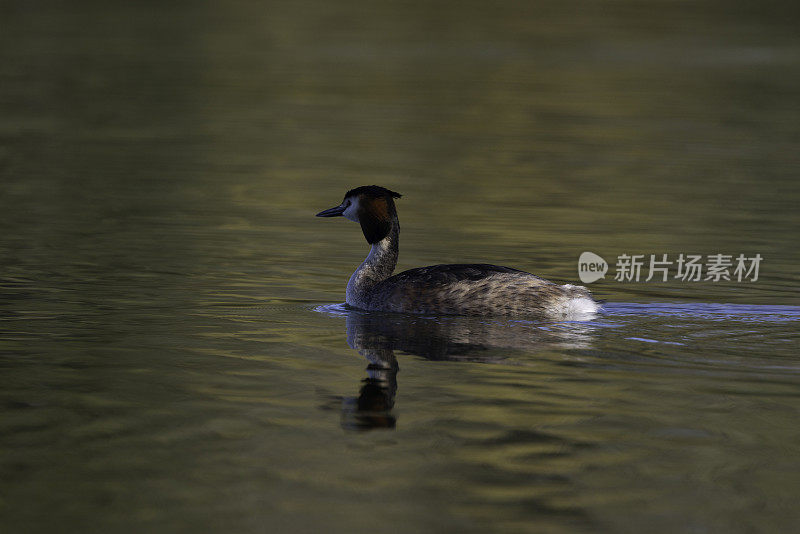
(458, 289)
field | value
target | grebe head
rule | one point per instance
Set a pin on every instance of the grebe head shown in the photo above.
(372, 206)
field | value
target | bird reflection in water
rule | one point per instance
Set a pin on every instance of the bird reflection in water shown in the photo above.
(376, 336)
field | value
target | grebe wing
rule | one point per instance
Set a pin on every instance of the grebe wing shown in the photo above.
(438, 275)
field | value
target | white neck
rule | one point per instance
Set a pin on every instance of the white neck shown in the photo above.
(378, 266)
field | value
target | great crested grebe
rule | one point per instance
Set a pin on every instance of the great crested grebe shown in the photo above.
(458, 289)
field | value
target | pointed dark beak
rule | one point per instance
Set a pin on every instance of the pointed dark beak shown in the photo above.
(332, 212)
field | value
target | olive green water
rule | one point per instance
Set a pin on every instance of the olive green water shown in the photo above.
(174, 352)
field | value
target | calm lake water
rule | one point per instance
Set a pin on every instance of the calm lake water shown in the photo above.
(175, 355)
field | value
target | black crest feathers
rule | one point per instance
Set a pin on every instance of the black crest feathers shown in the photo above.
(372, 191)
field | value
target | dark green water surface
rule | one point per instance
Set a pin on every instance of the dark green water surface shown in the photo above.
(174, 355)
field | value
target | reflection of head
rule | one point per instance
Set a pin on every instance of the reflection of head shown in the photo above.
(372, 408)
